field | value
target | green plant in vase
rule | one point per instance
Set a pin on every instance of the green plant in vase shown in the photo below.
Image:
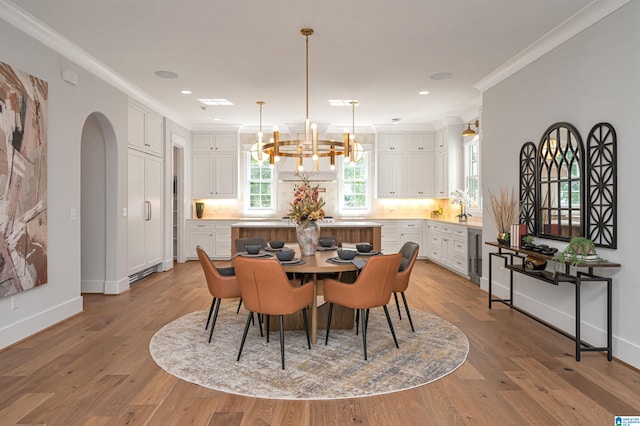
(578, 250)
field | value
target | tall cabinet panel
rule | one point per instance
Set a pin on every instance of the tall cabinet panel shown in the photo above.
(214, 166)
(144, 211)
(405, 165)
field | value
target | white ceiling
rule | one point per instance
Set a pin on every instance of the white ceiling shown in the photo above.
(380, 52)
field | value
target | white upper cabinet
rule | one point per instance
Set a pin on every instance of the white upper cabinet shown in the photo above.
(213, 143)
(214, 166)
(405, 165)
(420, 144)
(392, 143)
(144, 130)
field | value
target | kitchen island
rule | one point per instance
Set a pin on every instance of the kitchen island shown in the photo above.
(345, 232)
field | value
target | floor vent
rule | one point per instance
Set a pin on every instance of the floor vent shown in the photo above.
(140, 275)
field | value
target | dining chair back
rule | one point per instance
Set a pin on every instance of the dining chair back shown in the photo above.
(222, 284)
(372, 289)
(409, 252)
(266, 290)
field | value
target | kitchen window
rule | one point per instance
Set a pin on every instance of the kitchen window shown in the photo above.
(354, 186)
(261, 185)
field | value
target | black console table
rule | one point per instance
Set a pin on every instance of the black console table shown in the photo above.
(514, 261)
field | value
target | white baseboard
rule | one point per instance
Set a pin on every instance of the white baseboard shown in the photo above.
(167, 265)
(116, 287)
(92, 286)
(29, 326)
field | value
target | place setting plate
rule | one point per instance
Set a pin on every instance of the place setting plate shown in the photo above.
(294, 261)
(273, 249)
(369, 253)
(320, 248)
(259, 254)
(338, 260)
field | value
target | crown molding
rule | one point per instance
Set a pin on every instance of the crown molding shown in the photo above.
(581, 20)
(31, 26)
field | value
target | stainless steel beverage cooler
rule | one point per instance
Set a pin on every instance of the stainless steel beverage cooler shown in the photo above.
(474, 250)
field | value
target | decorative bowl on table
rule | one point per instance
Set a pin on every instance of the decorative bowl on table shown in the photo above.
(276, 244)
(345, 254)
(364, 248)
(285, 255)
(253, 249)
(533, 263)
(326, 242)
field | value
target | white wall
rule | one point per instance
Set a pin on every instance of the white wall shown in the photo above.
(69, 106)
(591, 78)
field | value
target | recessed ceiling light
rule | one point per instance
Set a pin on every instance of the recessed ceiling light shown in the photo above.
(217, 119)
(342, 102)
(423, 92)
(185, 92)
(217, 101)
(166, 74)
(441, 76)
(395, 120)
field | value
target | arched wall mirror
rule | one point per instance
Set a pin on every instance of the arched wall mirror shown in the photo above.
(560, 183)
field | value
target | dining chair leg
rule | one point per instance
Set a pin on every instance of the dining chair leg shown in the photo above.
(244, 335)
(363, 320)
(281, 318)
(239, 304)
(306, 326)
(395, 296)
(386, 312)
(215, 317)
(357, 320)
(406, 308)
(326, 338)
(213, 302)
(268, 326)
(260, 316)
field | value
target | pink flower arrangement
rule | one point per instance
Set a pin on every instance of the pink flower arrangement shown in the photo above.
(307, 204)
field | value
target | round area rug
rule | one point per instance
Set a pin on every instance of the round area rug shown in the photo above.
(325, 372)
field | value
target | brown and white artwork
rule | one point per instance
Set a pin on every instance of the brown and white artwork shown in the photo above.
(23, 181)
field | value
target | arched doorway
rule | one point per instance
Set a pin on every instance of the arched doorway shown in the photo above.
(98, 198)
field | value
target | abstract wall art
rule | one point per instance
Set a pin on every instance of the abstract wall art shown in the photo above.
(23, 181)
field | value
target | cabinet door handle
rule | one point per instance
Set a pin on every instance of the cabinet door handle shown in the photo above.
(148, 204)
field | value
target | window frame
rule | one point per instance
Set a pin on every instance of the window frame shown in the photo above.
(467, 147)
(356, 211)
(247, 188)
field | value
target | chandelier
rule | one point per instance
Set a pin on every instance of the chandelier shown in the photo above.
(310, 146)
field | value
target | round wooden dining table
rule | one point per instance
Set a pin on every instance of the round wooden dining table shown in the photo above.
(314, 265)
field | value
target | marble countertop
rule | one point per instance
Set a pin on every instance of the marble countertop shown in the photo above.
(284, 224)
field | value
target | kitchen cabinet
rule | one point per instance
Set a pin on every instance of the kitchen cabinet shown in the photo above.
(144, 130)
(391, 175)
(390, 236)
(405, 166)
(214, 236)
(448, 246)
(448, 161)
(411, 231)
(144, 211)
(391, 143)
(214, 166)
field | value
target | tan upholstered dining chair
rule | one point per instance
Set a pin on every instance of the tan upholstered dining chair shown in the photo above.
(409, 252)
(266, 290)
(372, 289)
(220, 286)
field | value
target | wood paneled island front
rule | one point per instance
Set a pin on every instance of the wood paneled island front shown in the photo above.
(345, 232)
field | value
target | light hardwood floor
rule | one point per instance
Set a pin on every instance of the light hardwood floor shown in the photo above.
(95, 369)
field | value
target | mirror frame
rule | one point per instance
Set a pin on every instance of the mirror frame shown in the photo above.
(563, 156)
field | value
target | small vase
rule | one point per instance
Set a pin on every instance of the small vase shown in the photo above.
(504, 238)
(199, 210)
(308, 234)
